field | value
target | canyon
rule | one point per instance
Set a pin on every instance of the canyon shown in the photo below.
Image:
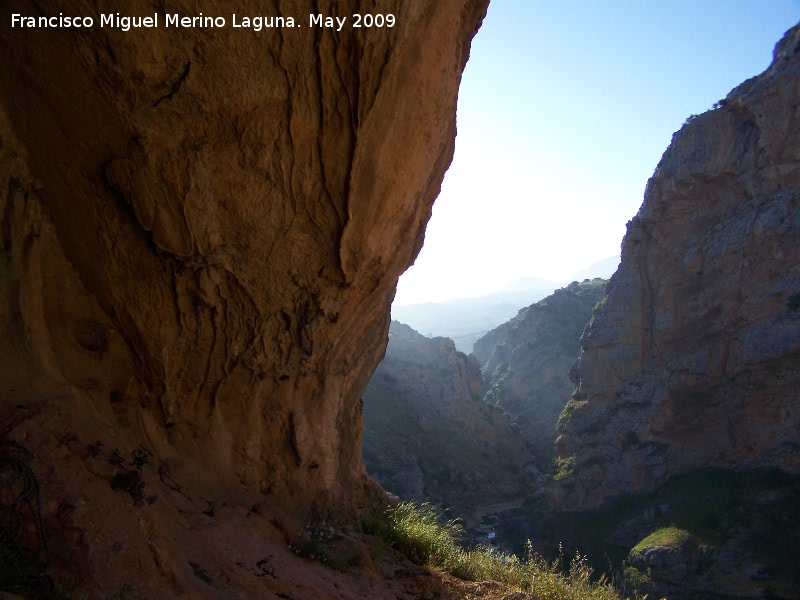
(676, 448)
(430, 437)
(527, 361)
(202, 232)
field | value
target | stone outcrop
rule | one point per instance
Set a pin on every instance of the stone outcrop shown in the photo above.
(693, 359)
(428, 435)
(713, 534)
(202, 232)
(526, 362)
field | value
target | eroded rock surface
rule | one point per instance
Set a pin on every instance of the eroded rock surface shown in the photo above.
(693, 360)
(202, 232)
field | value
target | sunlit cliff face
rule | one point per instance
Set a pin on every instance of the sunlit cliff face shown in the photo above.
(692, 360)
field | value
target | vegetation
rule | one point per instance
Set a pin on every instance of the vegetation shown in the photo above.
(565, 467)
(665, 537)
(599, 306)
(569, 409)
(420, 533)
(712, 506)
(320, 551)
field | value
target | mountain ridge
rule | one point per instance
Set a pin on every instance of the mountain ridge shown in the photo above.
(464, 320)
(526, 361)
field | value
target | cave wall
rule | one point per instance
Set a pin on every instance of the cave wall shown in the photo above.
(202, 234)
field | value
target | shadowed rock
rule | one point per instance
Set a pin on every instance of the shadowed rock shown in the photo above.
(202, 233)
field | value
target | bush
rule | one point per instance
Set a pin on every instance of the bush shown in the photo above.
(565, 467)
(570, 408)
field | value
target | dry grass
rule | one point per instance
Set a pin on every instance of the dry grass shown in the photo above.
(420, 534)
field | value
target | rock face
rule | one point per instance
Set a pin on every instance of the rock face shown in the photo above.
(686, 395)
(526, 362)
(693, 359)
(428, 435)
(202, 233)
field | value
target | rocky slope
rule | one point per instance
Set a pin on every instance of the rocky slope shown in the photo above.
(202, 233)
(526, 362)
(693, 361)
(428, 436)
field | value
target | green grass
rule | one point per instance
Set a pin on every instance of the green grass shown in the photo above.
(664, 537)
(420, 533)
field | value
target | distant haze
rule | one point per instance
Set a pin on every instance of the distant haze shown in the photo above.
(564, 111)
(602, 268)
(464, 320)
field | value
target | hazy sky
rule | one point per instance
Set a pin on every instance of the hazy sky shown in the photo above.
(565, 108)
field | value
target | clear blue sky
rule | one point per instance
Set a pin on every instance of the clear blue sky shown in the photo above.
(564, 111)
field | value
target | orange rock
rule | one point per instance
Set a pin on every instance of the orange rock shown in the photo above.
(202, 233)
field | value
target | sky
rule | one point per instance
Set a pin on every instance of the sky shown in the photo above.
(564, 111)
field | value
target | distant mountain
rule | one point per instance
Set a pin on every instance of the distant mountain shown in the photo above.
(428, 434)
(526, 362)
(465, 319)
(527, 284)
(602, 268)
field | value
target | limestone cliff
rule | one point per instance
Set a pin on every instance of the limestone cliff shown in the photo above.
(526, 362)
(428, 435)
(693, 359)
(202, 232)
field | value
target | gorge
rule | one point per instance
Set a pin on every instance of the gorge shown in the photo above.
(676, 456)
(202, 232)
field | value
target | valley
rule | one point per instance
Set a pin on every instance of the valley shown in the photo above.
(203, 393)
(657, 413)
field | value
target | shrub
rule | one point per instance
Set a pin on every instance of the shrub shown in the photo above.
(664, 537)
(565, 467)
(570, 407)
(598, 307)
